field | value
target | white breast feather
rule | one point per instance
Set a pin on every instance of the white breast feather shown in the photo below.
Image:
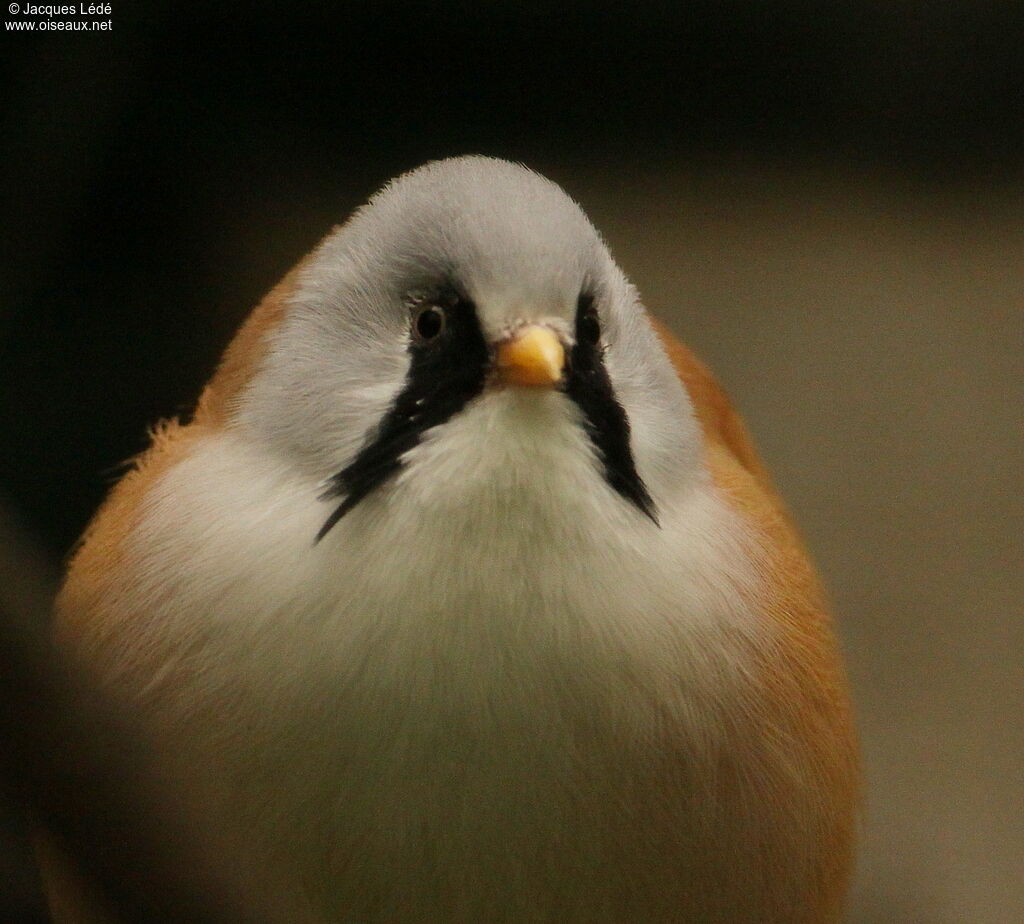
(475, 659)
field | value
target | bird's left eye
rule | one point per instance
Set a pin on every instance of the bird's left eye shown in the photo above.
(429, 323)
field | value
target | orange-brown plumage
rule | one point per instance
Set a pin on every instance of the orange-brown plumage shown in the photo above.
(808, 685)
(802, 710)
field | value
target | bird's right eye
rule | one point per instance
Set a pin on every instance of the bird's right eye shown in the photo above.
(428, 323)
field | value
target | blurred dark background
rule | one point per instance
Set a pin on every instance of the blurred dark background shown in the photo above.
(825, 200)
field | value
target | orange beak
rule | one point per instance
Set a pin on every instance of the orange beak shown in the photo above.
(533, 357)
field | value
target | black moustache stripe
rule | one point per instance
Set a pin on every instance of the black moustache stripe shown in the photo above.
(444, 375)
(588, 385)
(448, 372)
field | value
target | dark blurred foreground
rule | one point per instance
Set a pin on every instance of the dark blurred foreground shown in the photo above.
(826, 202)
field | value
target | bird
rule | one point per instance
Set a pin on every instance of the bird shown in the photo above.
(464, 596)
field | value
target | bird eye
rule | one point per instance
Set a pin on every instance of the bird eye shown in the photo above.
(429, 323)
(588, 327)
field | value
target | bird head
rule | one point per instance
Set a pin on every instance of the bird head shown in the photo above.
(468, 327)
